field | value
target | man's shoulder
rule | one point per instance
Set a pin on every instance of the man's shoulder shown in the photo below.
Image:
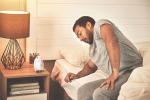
(103, 21)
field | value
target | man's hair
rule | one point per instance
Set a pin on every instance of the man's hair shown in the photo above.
(82, 21)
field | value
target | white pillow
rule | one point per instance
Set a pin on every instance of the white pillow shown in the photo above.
(140, 75)
(77, 56)
(145, 52)
(143, 44)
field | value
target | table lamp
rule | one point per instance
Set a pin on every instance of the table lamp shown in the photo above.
(14, 25)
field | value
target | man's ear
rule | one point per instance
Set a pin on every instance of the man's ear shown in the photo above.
(88, 25)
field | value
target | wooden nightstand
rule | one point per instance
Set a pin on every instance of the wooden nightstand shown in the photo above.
(26, 73)
(49, 64)
(56, 91)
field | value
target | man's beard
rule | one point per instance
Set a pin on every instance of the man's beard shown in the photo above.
(88, 41)
(90, 38)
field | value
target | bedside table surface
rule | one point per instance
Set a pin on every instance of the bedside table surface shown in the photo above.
(27, 70)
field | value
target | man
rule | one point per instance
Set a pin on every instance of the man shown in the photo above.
(110, 51)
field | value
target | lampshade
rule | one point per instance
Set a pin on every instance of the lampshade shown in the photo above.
(14, 24)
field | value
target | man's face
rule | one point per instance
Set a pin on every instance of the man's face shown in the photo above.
(84, 34)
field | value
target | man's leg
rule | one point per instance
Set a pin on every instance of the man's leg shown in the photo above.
(104, 94)
(85, 92)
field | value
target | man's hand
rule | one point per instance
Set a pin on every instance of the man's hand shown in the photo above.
(70, 76)
(110, 81)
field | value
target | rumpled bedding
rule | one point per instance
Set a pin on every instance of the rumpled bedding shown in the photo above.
(138, 85)
(79, 89)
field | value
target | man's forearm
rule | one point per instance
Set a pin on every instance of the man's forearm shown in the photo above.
(86, 71)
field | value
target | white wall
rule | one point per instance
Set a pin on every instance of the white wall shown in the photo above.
(52, 21)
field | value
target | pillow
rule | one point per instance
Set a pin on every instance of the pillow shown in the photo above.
(77, 56)
(143, 44)
(145, 52)
(140, 75)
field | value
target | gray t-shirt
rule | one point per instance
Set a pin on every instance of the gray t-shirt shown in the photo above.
(130, 58)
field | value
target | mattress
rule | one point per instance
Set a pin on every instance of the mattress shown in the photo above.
(79, 89)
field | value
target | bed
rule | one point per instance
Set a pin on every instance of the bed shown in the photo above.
(79, 89)
(82, 89)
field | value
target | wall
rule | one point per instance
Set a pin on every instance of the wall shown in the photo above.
(12, 5)
(52, 20)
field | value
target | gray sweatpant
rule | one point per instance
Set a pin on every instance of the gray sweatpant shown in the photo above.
(104, 94)
(94, 92)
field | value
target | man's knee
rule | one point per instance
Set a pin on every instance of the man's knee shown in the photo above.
(103, 94)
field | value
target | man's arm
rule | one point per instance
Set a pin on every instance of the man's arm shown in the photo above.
(89, 68)
(113, 49)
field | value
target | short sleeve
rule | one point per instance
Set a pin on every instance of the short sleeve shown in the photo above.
(98, 24)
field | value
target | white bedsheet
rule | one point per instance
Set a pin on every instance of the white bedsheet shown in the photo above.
(74, 88)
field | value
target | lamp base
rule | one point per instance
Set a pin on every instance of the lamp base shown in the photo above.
(13, 57)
